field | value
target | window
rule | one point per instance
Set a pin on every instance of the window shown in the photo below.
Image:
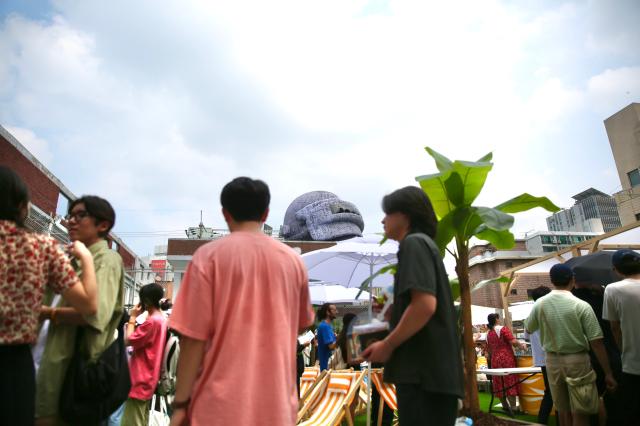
(637, 216)
(514, 292)
(508, 264)
(634, 177)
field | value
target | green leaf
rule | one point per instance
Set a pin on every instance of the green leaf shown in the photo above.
(500, 239)
(486, 158)
(474, 176)
(455, 189)
(495, 219)
(465, 222)
(435, 188)
(455, 288)
(526, 202)
(445, 232)
(484, 283)
(386, 269)
(442, 163)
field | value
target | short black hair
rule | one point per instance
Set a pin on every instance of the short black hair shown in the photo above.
(151, 294)
(245, 199)
(323, 311)
(14, 195)
(492, 319)
(538, 292)
(413, 202)
(98, 208)
(626, 262)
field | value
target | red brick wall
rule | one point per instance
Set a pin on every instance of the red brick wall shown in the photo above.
(44, 193)
(127, 258)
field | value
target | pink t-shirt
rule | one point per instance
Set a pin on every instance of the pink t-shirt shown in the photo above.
(247, 296)
(148, 342)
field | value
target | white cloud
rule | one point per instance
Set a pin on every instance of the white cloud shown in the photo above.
(158, 107)
(36, 146)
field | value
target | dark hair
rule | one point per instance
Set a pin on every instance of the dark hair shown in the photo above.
(492, 319)
(245, 199)
(342, 337)
(150, 295)
(14, 195)
(323, 311)
(538, 292)
(413, 202)
(626, 262)
(98, 208)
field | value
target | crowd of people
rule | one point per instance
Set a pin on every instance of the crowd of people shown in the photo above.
(243, 300)
(585, 338)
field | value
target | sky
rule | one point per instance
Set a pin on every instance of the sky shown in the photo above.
(155, 105)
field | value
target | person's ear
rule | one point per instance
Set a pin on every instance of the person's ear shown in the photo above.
(103, 226)
(265, 215)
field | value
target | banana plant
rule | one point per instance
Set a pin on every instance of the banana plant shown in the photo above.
(452, 192)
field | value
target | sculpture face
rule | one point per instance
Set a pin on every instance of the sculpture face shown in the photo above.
(321, 216)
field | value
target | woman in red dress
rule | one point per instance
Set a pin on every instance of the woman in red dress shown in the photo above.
(499, 343)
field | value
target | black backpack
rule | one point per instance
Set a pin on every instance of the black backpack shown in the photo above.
(92, 391)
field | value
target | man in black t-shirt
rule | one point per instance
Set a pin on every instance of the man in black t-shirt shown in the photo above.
(422, 352)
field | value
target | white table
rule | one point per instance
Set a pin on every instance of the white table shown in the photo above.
(501, 372)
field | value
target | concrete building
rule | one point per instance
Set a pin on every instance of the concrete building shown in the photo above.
(593, 211)
(623, 130)
(49, 201)
(543, 242)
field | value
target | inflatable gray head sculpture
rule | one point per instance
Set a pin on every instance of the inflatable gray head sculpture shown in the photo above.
(321, 216)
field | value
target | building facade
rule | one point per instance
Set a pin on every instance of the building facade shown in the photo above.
(623, 130)
(49, 201)
(593, 211)
(486, 262)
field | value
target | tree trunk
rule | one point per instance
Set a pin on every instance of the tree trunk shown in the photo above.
(471, 386)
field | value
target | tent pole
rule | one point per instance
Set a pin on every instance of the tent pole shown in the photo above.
(368, 363)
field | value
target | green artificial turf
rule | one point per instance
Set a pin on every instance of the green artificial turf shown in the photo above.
(484, 398)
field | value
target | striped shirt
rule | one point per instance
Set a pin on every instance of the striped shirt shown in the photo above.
(566, 323)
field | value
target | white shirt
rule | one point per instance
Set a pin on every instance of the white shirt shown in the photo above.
(539, 355)
(622, 303)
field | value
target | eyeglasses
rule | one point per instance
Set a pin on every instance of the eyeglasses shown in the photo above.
(78, 216)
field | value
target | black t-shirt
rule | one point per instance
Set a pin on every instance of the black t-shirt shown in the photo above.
(431, 357)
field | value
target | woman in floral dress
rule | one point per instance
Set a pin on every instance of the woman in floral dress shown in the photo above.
(500, 341)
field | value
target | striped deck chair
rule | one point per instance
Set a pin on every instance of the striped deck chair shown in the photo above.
(337, 398)
(387, 392)
(308, 379)
(311, 397)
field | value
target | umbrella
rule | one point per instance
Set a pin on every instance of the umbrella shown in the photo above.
(333, 293)
(350, 262)
(595, 268)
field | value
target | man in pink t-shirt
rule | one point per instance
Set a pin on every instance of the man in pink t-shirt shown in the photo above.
(147, 341)
(241, 303)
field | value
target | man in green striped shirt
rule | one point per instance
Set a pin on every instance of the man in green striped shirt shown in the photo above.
(568, 328)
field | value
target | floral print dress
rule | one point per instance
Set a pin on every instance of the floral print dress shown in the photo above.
(502, 356)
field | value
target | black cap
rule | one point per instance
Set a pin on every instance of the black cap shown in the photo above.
(561, 274)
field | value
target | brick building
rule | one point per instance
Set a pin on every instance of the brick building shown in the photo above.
(49, 201)
(486, 262)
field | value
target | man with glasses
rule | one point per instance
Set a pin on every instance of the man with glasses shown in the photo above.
(89, 220)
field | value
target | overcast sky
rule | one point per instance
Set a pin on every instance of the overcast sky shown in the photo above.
(155, 105)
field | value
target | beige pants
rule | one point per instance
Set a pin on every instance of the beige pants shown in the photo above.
(136, 413)
(561, 366)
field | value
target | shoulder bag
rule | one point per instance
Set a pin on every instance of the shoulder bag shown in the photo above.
(93, 390)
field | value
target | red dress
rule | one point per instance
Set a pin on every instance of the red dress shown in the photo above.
(502, 356)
